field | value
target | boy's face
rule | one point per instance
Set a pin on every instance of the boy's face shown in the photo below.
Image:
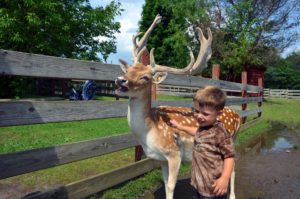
(205, 116)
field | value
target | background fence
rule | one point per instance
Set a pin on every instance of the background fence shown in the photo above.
(23, 112)
(282, 93)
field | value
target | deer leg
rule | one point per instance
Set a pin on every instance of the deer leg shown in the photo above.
(165, 172)
(174, 165)
(232, 179)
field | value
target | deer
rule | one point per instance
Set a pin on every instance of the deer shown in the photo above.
(151, 126)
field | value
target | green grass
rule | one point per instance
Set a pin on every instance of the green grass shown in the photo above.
(68, 173)
(136, 188)
(26, 137)
(282, 111)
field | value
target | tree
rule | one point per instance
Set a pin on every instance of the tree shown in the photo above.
(245, 32)
(171, 38)
(294, 59)
(68, 28)
(248, 32)
(60, 28)
(282, 75)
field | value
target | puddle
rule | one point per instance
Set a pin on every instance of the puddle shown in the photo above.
(278, 140)
(279, 145)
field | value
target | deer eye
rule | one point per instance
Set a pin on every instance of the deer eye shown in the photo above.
(145, 78)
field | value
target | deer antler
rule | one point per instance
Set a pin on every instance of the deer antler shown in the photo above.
(193, 67)
(139, 46)
(161, 68)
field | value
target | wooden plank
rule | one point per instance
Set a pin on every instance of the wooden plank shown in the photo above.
(192, 81)
(177, 103)
(189, 102)
(33, 65)
(249, 112)
(13, 164)
(242, 100)
(33, 112)
(86, 187)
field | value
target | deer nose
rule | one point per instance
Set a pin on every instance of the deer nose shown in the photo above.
(120, 81)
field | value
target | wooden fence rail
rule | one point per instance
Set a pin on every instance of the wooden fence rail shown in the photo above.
(33, 112)
(282, 93)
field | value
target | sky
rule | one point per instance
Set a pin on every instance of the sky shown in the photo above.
(129, 25)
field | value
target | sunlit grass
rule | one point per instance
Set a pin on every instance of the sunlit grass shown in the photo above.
(26, 137)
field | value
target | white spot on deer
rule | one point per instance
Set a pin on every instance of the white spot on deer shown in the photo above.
(188, 121)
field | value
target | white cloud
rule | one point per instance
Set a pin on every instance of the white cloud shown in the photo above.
(129, 25)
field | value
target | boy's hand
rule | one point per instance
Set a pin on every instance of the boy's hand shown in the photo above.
(220, 186)
(174, 124)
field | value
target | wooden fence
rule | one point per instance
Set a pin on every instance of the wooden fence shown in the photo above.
(35, 112)
(282, 93)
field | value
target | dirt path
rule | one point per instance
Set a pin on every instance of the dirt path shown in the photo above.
(275, 175)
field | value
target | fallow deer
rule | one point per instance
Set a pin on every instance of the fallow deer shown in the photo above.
(151, 126)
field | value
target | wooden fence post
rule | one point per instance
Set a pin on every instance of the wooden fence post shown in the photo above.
(244, 93)
(216, 71)
(260, 94)
(145, 60)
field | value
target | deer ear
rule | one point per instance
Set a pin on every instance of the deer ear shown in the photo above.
(123, 65)
(158, 77)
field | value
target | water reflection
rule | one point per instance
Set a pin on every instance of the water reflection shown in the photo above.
(280, 144)
(272, 141)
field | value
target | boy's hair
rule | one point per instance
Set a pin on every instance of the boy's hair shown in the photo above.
(210, 96)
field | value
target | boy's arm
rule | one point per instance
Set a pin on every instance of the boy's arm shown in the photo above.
(188, 129)
(221, 184)
(228, 167)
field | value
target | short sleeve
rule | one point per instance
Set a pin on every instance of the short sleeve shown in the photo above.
(226, 145)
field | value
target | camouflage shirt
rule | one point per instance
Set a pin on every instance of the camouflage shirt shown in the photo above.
(211, 146)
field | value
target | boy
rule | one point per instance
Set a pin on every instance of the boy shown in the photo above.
(213, 152)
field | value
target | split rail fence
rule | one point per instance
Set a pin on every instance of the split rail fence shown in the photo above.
(282, 93)
(24, 112)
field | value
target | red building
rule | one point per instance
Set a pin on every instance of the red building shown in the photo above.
(254, 73)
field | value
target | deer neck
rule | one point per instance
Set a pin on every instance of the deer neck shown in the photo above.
(139, 112)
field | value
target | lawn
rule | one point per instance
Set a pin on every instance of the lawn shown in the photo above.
(26, 137)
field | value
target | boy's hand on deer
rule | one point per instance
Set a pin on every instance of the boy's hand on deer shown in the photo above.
(174, 124)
